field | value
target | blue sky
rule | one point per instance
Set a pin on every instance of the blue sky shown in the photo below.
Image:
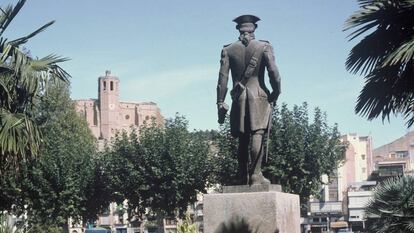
(168, 52)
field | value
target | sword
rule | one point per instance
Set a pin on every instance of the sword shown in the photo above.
(269, 125)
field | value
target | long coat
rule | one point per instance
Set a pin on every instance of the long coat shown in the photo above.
(250, 110)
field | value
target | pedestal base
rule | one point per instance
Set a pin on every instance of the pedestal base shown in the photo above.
(261, 212)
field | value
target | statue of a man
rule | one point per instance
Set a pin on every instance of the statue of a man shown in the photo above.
(251, 108)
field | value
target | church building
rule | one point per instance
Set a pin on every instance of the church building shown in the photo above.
(108, 115)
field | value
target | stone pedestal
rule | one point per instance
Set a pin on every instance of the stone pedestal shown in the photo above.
(260, 211)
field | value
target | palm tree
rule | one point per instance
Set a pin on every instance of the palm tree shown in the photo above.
(391, 209)
(23, 80)
(385, 56)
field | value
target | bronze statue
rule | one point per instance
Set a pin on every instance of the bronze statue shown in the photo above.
(252, 102)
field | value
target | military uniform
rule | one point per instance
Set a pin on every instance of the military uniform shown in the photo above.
(250, 109)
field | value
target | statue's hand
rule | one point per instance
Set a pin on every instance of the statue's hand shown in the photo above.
(273, 97)
(222, 109)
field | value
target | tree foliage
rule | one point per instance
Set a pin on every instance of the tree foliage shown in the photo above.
(187, 225)
(391, 209)
(53, 187)
(162, 169)
(225, 160)
(385, 56)
(300, 151)
(22, 82)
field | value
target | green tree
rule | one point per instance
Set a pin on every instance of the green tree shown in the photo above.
(187, 225)
(54, 187)
(385, 56)
(162, 169)
(225, 160)
(300, 151)
(391, 209)
(22, 82)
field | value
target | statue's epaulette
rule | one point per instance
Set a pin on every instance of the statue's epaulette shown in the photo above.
(226, 45)
(265, 41)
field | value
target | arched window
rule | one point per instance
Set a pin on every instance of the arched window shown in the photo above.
(112, 85)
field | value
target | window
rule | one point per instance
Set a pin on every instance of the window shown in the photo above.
(112, 85)
(170, 221)
(104, 85)
(401, 154)
(363, 157)
(126, 117)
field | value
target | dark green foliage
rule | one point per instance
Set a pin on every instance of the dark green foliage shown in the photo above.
(22, 82)
(391, 209)
(163, 170)
(385, 56)
(300, 151)
(225, 160)
(53, 187)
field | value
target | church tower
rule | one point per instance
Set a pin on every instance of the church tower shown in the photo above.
(109, 104)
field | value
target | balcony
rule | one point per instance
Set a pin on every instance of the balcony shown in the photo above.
(326, 207)
(104, 220)
(199, 213)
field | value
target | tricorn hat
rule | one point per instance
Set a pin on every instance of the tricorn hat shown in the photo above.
(246, 19)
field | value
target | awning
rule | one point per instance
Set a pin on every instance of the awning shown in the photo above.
(339, 224)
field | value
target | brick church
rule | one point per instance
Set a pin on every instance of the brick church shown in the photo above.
(107, 114)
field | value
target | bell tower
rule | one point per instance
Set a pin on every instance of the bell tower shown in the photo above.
(108, 92)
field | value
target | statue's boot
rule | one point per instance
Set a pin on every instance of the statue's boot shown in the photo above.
(258, 179)
(256, 154)
(243, 159)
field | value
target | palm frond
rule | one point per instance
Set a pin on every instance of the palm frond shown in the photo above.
(23, 79)
(385, 56)
(392, 207)
(24, 39)
(402, 54)
(46, 63)
(378, 99)
(18, 134)
(5, 99)
(8, 14)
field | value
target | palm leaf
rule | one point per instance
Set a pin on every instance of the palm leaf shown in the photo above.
(8, 14)
(24, 39)
(23, 80)
(387, 18)
(402, 54)
(385, 56)
(391, 208)
(18, 134)
(378, 99)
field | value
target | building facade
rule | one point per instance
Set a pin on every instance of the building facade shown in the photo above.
(107, 115)
(395, 158)
(359, 195)
(329, 213)
(358, 163)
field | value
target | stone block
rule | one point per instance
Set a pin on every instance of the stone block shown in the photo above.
(262, 212)
(252, 188)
